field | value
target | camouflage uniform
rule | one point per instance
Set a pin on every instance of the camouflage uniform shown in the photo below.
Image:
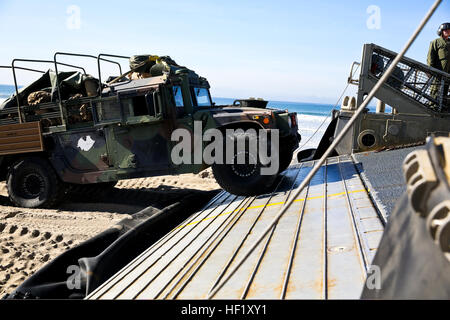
(38, 97)
(438, 57)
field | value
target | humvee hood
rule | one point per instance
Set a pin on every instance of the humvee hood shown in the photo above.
(233, 109)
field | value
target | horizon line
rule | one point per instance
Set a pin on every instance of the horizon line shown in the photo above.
(269, 100)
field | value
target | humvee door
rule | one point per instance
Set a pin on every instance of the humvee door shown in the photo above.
(85, 149)
(140, 140)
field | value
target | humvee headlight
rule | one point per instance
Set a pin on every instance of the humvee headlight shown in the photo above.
(264, 118)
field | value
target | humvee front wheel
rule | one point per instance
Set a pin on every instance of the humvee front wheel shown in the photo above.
(285, 158)
(244, 179)
(33, 183)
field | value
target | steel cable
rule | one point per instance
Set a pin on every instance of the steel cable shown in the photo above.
(328, 115)
(330, 148)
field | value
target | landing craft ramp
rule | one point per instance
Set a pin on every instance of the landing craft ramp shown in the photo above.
(320, 249)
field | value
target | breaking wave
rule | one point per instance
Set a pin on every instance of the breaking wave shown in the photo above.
(5, 92)
(311, 125)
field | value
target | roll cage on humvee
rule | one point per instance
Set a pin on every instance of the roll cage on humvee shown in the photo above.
(69, 129)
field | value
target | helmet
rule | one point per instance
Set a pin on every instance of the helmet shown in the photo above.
(442, 27)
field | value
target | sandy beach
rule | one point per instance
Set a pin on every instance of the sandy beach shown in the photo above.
(30, 238)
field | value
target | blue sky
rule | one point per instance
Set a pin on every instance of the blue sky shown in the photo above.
(278, 50)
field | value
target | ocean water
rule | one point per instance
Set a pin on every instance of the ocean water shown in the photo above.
(313, 118)
(6, 91)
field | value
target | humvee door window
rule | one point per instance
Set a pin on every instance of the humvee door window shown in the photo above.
(202, 97)
(178, 96)
(140, 106)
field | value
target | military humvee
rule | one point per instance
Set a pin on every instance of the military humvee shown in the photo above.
(69, 129)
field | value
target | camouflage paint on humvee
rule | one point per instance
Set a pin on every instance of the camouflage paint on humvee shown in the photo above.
(128, 133)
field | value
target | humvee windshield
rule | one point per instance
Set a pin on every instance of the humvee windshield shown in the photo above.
(178, 96)
(201, 97)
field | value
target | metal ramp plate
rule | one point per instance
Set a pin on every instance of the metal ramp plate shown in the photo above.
(382, 174)
(320, 249)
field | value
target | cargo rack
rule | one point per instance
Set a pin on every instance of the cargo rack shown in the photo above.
(54, 109)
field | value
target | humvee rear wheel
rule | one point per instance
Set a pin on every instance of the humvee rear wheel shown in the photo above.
(243, 178)
(33, 183)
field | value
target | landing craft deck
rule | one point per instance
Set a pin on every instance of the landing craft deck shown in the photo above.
(320, 249)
